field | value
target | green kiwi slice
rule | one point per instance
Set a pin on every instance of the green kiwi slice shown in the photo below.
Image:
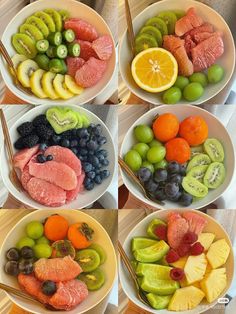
(24, 45)
(198, 172)
(88, 259)
(158, 23)
(100, 250)
(32, 31)
(214, 175)
(64, 14)
(179, 13)
(37, 22)
(93, 280)
(144, 41)
(214, 149)
(153, 31)
(194, 187)
(198, 160)
(61, 120)
(195, 150)
(170, 19)
(47, 19)
(57, 19)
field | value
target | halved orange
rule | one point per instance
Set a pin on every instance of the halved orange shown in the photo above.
(154, 70)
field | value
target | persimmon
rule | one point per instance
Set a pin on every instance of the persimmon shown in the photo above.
(56, 228)
(194, 130)
(80, 235)
(178, 150)
(165, 127)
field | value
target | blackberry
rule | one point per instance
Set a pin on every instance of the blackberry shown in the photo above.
(39, 120)
(19, 143)
(44, 132)
(25, 128)
(30, 140)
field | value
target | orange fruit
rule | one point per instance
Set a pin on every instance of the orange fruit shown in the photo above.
(56, 228)
(194, 130)
(166, 127)
(178, 150)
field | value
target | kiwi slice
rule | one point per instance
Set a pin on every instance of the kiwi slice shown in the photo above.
(88, 259)
(198, 172)
(32, 31)
(215, 175)
(179, 13)
(64, 14)
(214, 149)
(170, 19)
(25, 71)
(24, 45)
(144, 41)
(195, 150)
(61, 120)
(85, 120)
(36, 83)
(158, 23)
(57, 19)
(198, 160)
(93, 280)
(18, 59)
(37, 22)
(153, 31)
(47, 19)
(194, 187)
(100, 250)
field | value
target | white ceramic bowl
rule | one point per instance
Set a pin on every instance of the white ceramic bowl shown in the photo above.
(216, 130)
(100, 236)
(227, 60)
(86, 197)
(140, 230)
(76, 9)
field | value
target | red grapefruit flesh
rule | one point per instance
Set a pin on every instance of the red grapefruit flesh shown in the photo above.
(22, 157)
(72, 195)
(103, 46)
(196, 222)
(177, 228)
(86, 49)
(83, 30)
(74, 64)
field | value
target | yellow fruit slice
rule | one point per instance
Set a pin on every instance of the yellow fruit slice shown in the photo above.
(17, 59)
(72, 86)
(195, 268)
(36, 84)
(47, 84)
(218, 253)
(60, 88)
(25, 70)
(154, 70)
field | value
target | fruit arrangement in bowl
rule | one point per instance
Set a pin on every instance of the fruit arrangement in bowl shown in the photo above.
(180, 53)
(60, 260)
(183, 261)
(59, 54)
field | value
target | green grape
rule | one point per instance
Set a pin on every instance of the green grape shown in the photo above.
(200, 78)
(42, 240)
(156, 154)
(34, 230)
(172, 95)
(193, 91)
(25, 241)
(154, 143)
(142, 149)
(215, 73)
(161, 164)
(143, 133)
(148, 165)
(42, 250)
(133, 160)
(181, 82)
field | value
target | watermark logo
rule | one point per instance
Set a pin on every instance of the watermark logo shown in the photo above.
(223, 300)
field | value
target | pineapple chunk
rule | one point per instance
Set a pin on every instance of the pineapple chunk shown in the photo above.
(206, 239)
(180, 263)
(208, 269)
(184, 283)
(186, 299)
(218, 253)
(195, 268)
(214, 283)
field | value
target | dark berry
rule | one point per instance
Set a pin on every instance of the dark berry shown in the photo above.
(105, 174)
(105, 162)
(161, 232)
(39, 120)
(183, 249)
(91, 152)
(176, 197)
(89, 186)
(49, 287)
(151, 186)
(171, 189)
(83, 151)
(176, 178)
(98, 129)
(43, 146)
(30, 141)
(56, 139)
(74, 150)
(11, 268)
(160, 175)
(13, 254)
(83, 132)
(25, 128)
(182, 170)
(92, 145)
(41, 158)
(177, 274)
(27, 252)
(65, 143)
(102, 140)
(104, 152)
(82, 143)
(144, 174)
(100, 157)
(94, 161)
(98, 179)
(44, 131)
(74, 143)
(186, 199)
(173, 167)
(190, 237)
(49, 157)
(87, 167)
(159, 194)
(19, 144)
(91, 174)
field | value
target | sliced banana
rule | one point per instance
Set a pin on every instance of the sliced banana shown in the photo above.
(47, 84)
(25, 71)
(72, 86)
(36, 83)
(60, 88)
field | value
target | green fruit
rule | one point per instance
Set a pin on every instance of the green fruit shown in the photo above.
(133, 160)
(34, 230)
(24, 45)
(25, 71)
(198, 172)
(88, 259)
(154, 32)
(64, 14)
(57, 19)
(93, 280)
(181, 82)
(215, 73)
(47, 19)
(198, 160)
(163, 272)
(152, 227)
(100, 250)
(143, 133)
(159, 24)
(142, 149)
(161, 164)
(195, 150)
(179, 13)
(43, 61)
(152, 253)
(144, 41)
(154, 142)
(151, 283)
(172, 95)
(194, 187)
(214, 175)
(156, 154)
(42, 240)
(148, 165)
(37, 22)
(134, 264)
(47, 84)
(170, 19)
(158, 302)
(42, 250)
(193, 91)
(32, 31)
(214, 149)
(199, 77)
(59, 85)
(141, 243)
(18, 59)
(61, 120)
(25, 241)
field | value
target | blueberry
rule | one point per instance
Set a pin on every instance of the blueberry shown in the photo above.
(91, 174)
(105, 174)
(176, 178)
(103, 152)
(100, 157)
(49, 287)
(160, 175)
(144, 174)
(49, 157)
(93, 138)
(98, 179)
(83, 151)
(87, 181)
(91, 127)
(83, 132)
(92, 145)
(65, 143)
(186, 199)
(41, 158)
(74, 143)
(87, 167)
(43, 146)
(56, 139)
(89, 186)
(171, 189)
(91, 152)
(82, 143)
(94, 161)
(151, 186)
(74, 150)
(97, 171)
(173, 167)
(74, 132)
(105, 162)
(102, 140)
(98, 129)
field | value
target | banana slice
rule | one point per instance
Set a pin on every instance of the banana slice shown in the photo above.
(60, 88)
(17, 59)
(47, 84)
(72, 86)
(36, 84)
(25, 71)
